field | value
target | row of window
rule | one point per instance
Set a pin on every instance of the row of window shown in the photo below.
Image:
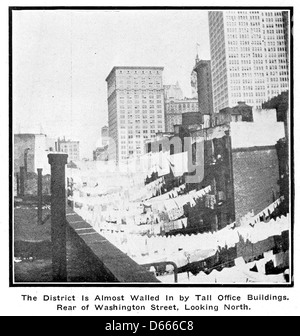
(127, 72)
(151, 106)
(131, 115)
(139, 96)
(247, 88)
(71, 150)
(183, 106)
(137, 100)
(244, 30)
(137, 86)
(135, 82)
(138, 117)
(146, 123)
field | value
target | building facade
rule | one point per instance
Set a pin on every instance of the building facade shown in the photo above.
(241, 166)
(30, 152)
(135, 109)
(204, 86)
(69, 147)
(248, 57)
(100, 154)
(175, 109)
(176, 105)
(104, 136)
(241, 112)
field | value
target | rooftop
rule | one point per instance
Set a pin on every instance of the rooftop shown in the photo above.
(29, 134)
(183, 100)
(201, 63)
(133, 67)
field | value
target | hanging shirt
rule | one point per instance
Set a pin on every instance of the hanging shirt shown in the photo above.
(192, 201)
(163, 163)
(179, 163)
(184, 223)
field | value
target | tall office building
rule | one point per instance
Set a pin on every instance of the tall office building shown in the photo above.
(69, 147)
(204, 86)
(248, 57)
(135, 109)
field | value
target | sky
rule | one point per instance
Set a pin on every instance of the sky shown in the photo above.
(62, 58)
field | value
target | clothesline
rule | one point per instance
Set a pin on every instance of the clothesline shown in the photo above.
(264, 213)
(133, 221)
(186, 249)
(162, 162)
(148, 191)
(171, 194)
(174, 205)
(240, 273)
(168, 212)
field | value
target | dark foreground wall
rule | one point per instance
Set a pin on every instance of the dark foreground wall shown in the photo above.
(102, 260)
(256, 175)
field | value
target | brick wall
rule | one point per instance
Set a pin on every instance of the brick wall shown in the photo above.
(256, 175)
(104, 261)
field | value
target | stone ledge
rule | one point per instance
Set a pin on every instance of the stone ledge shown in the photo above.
(118, 266)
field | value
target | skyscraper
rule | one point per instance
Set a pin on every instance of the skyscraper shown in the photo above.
(248, 57)
(204, 86)
(135, 109)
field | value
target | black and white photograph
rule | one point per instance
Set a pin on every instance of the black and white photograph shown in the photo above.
(151, 147)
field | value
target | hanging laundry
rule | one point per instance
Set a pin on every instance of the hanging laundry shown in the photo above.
(178, 225)
(182, 200)
(269, 256)
(261, 266)
(193, 193)
(179, 163)
(163, 163)
(240, 262)
(192, 201)
(279, 259)
(169, 226)
(170, 204)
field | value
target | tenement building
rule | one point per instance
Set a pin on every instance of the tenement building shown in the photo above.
(135, 109)
(240, 161)
(248, 57)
